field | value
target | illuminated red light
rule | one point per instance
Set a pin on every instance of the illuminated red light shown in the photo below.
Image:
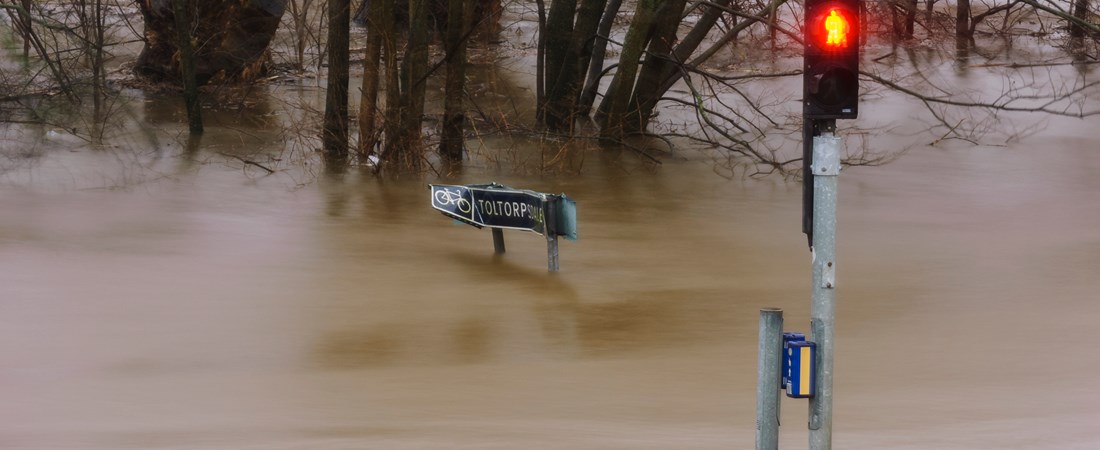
(836, 30)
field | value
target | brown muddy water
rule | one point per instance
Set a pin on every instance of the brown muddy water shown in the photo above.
(214, 310)
(168, 298)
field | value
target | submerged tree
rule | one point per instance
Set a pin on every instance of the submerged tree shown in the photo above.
(334, 131)
(231, 37)
(453, 140)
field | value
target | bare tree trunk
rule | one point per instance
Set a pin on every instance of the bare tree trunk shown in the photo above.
(453, 141)
(403, 146)
(928, 10)
(92, 25)
(962, 19)
(25, 18)
(368, 101)
(99, 74)
(895, 19)
(553, 42)
(658, 64)
(299, 12)
(962, 33)
(566, 75)
(334, 134)
(649, 96)
(616, 103)
(392, 149)
(910, 18)
(540, 62)
(596, 61)
(417, 69)
(182, 10)
(1080, 11)
(773, 13)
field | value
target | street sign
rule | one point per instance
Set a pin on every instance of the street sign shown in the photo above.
(492, 205)
(500, 207)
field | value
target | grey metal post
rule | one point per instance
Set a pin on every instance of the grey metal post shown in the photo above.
(498, 240)
(767, 378)
(551, 230)
(826, 168)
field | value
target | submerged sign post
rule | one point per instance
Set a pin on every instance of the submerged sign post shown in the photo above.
(500, 207)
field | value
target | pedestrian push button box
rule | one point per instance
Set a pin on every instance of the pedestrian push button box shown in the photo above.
(788, 337)
(801, 362)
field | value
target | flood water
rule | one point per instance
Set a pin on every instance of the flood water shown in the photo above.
(171, 299)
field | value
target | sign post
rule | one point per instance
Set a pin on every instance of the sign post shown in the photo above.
(500, 207)
(498, 241)
(551, 212)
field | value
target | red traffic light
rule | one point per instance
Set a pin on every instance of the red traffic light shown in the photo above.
(837, 29)
(831, 59)
(832, 26)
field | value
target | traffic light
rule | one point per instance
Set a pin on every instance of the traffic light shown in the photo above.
(831, 72)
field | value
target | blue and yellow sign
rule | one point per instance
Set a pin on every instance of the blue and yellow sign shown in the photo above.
(788, 337)
(801, 358)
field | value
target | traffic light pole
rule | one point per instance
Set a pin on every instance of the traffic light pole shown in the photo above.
(825, 168)
(830, 81)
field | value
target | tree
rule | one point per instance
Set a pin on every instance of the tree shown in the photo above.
(569, 46)
(405, 94)
(613, 110)
(234, 34)
(372, 65)
(334, 131)
(183, 13)
(452, 142)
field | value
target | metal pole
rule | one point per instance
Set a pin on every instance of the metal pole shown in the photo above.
(767, 378)
(551, 230)
(498, 240)
(826, 168)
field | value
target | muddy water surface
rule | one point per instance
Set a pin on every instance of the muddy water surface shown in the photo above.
(224, 312)
(171, 299)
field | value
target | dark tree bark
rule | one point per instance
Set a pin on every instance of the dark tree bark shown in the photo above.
(599, 52)
(234, 36)
(540, 62)
(453, 141)
(25, 21)
(372, 77)
(554, 39)
(567, 74)
(648, 96)
(182, 10)
(1080, 11)
(334, 130)
(391, 151)
(403, 146)
(658, 60)
(962, 19)
(614, 108)
(910, 18)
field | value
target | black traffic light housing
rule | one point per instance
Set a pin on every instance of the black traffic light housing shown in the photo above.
(831, 69)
